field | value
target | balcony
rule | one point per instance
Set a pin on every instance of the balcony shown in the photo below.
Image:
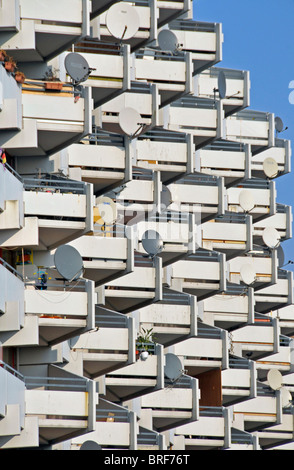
(12, 302)
(172, 319)
(109, 347)
(150, 440)
(203, 40)
(142, 97)
(170, 153)
(238, 382)
(105, 258)
(230, 234)
(104, 161)
(56, 210)
(174, 405)
(280, 359)
(10, 105)
(281, 221)
(177, 232)
(142, 377)
(63, 405)
(257, 269)
(39, 34)
(201, 195)
(225, 159)
(115, 427)
(210, 432)
(134, 290)
(201, 274)
(202, 118)
(110, 68)
(51, 120)
(237, 88)
(277, 296)
(280, 152)
(61, 316)
(12, 409)
(256, 341)
(254, 197)
(150, 17)
(11, 199)
(261, 412)
(171, 74)
(278, 436)
(256, 128)
(204, 353)
(231, 309)
(286, 319)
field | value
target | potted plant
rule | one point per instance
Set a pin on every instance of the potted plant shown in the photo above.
(10, 64)
(19, 76)
(52, 82)
(145, 343)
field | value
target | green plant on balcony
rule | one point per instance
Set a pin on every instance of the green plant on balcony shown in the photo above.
(145, 343)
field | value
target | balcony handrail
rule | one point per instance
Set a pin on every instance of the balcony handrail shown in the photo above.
(12, 371)
(215, 411)
(163, 135)
(117, 415)
(11, 170)
(241, 437)
(190, 25)
(208, 332)
(11, 269)
(56, 383)
(194, 102)
(61, 185)
(64, 285)
(147, 437)
(159, 55)
(264, 390)
(111, 321)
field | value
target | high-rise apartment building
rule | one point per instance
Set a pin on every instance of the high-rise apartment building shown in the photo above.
(144, 299)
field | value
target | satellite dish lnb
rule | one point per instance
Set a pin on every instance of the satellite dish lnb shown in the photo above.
(152, 242)
(122, 21)
(77, 67)
(106, 211)
(247, 274)
(173, 367)
(168, 41)
(130, 121)
(68, 262)
(275, 379)
(270, 167)
(271, 237)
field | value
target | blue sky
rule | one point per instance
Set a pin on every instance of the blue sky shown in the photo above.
(259, 37)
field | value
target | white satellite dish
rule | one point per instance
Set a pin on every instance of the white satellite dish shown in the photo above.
(270, 167)
(286, 397)
(173, 367)
(122, 21)
(152, 242)
(271, 237)
(130, 121)
(107, 211)
(68, 262)
(275, 379)
(246, 200)
(168, 41)
(247, 274)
